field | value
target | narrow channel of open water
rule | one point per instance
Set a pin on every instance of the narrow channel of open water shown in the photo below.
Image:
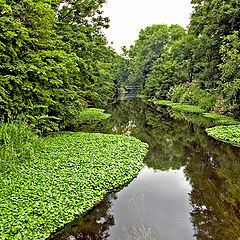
(186, 190)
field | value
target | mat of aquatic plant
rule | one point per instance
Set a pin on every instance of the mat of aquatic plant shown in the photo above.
(229, 134)
(69, 176)
(90, 115)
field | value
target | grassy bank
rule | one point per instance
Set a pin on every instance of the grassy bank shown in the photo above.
(63, 179)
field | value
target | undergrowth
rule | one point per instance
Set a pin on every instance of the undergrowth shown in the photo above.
(17, 143)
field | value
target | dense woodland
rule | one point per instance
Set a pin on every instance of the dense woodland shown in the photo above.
(200, 66)
(54, 60)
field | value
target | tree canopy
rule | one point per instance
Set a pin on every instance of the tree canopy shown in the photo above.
(54, 58)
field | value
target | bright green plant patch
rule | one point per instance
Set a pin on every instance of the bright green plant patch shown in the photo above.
(188, 108)
(229, 134)
(64, 180)
(142, 96)
(179, 106)
(213, 116)
(221, 118)
(228, 121)
(90, 115)
(163, 102)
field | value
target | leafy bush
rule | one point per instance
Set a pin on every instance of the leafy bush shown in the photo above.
(176, 93)
(69, 177)
(229, 134)
(193, 95)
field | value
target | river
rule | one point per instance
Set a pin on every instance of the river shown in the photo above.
(187, 189)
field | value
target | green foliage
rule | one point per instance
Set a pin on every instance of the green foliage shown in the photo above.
(17, 144)
(211, 21)
(176, 93)
(120, 71)
(68, 177)
(221, 118)
(230, 79)
(151, 44)
(90, 115)
(188, 108)
(163, 102)
(54, 57)
(199, 68)
(229, 134)
(193, 95)
(179, 106)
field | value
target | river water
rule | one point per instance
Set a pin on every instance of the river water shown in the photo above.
(187, 189)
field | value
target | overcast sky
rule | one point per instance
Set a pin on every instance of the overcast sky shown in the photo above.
(128, 17)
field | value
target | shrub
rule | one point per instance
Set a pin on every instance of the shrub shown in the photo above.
(193, 95)
(176, 93)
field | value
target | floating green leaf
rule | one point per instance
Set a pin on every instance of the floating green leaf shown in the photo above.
(65, 179)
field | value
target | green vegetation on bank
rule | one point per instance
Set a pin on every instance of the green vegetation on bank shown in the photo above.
(163, 102)
(54, 61)
(64, 179)
(91, 115)
(199, 66)
(221, 118)
(188, 108)
(229, 134)
(17, 144)
(179, 106)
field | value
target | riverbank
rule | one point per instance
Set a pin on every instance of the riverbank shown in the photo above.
(227, 129)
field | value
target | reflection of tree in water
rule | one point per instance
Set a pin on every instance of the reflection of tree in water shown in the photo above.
(94, 226)
(213, 170)
(215, 194)
(177, 139)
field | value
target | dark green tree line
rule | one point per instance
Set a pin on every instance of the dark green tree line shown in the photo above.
(199, 67)
(54, 59)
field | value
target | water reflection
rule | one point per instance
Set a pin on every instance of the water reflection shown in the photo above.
(189, 188)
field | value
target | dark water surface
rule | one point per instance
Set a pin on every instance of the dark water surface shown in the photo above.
(187, 189)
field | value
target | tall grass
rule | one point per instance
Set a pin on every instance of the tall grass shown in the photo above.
(17, 142)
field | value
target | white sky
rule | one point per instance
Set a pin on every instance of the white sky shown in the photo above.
(128, 17)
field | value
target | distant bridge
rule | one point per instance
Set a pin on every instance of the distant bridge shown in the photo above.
(130, 87)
